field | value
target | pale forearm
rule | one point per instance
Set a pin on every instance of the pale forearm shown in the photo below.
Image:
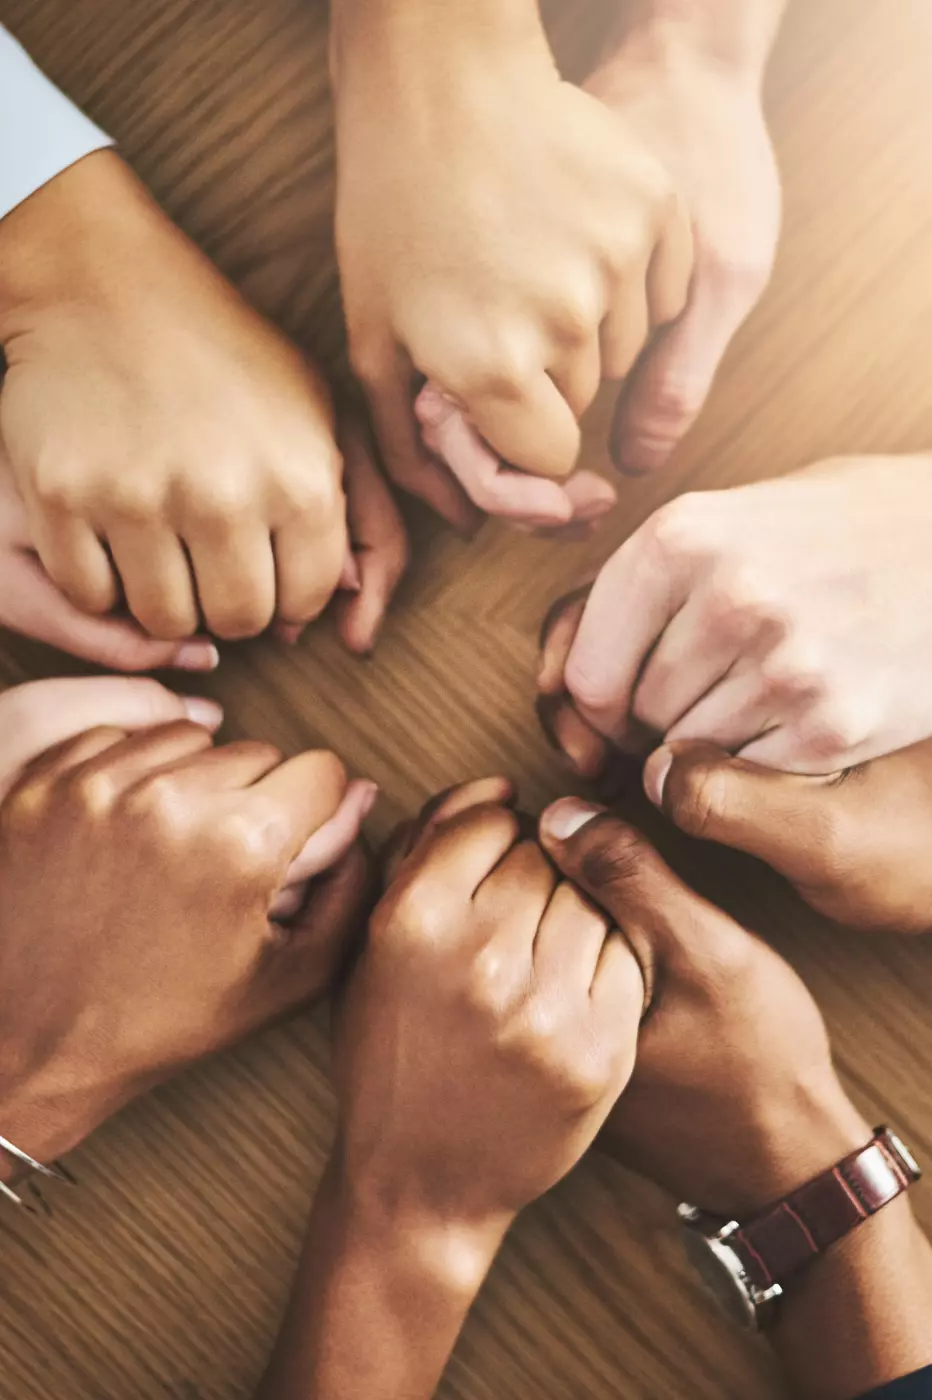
(862, 1316)
(737, 33)
(376, 1309)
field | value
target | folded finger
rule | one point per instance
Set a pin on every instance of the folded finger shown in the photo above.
(156, 578)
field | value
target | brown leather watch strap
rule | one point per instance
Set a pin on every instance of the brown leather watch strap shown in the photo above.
(786, 1236)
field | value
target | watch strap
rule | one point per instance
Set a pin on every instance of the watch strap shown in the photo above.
(788, 1235)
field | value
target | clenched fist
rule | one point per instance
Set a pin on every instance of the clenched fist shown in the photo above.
(168, 442)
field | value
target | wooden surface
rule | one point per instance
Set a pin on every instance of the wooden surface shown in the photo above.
(165, 1274)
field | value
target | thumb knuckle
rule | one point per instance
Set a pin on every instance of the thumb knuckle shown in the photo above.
(698, 794)
(612, 854)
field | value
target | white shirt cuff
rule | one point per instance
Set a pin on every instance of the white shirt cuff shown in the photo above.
(41, 132)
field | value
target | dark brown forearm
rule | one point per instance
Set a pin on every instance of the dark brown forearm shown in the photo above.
(862, 1315)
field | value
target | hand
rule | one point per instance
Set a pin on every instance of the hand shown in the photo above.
(734, 1100)
(138, 875)
(855, 845)
(570, 508)
(167, 441)
(486, 1032)
(703, 119)
(497, 230)
(771, 620)
(31, 604)
(378, 541)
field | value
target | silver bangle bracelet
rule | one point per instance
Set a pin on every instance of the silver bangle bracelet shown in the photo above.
(55, 1172)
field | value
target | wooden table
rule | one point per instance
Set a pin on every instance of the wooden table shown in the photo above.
(165, 1274)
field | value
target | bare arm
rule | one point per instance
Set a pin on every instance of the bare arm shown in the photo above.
(862, 1316)
(738, 33)
(378, 1304)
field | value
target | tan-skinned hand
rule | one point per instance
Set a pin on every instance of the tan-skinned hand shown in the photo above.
(170, 444)
(498, 230)
(488, 1028)
(855, 844)
(161, 898)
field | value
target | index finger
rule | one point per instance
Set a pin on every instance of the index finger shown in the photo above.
(457, 856)
(632, 600)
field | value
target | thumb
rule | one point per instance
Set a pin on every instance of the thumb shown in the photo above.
(41, 714)
(31, 604)
(777, 817)
(623, 874)
(667, 389)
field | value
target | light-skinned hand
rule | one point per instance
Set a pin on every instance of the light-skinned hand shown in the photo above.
(170, 445)
(704, 121)
(498, 230)
(771, 620)
(32, 605)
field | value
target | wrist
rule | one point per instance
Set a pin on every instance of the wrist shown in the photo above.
(734, 37)
(54, 246)
(784, 1146)
(449, 1251)
(413, 42)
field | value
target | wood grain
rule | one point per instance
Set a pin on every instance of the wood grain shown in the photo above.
(163, 1276)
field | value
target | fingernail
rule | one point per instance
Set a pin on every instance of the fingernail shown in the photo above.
(196, 656)
(202, 711)
(564, 818)
(368, 801)
(594, 510)
(289, 632)
(655, 774)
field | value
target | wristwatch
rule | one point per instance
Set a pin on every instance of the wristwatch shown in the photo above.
(748, 1267)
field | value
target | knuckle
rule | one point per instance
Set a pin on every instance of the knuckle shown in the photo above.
(675, 402)
(831, 733)
(575, 318)
(136, 499)
(741, 602)
(787, 675)
(490, 982)
(248, 844)
(612, 856)
(419, 919)
(681, 529)
(697, 795)
(591, 689)
(58, 484)
(92, 792)
(315, 494)
(368, 358)
(238, 618)
(502, 372)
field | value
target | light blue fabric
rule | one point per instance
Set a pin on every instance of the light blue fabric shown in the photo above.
(41, 132)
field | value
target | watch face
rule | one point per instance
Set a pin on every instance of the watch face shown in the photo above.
(720, 1270)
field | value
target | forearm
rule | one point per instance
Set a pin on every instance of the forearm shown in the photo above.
(736, 33)
(861, 1316)
(376, 1308)
(417, 35)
